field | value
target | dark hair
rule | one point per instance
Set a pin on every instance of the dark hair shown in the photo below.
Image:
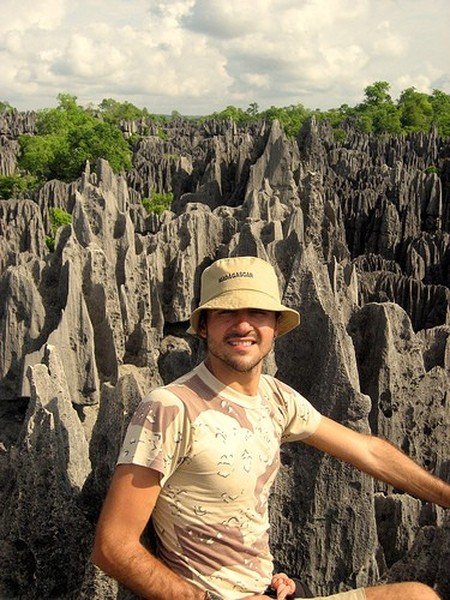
(201, 320)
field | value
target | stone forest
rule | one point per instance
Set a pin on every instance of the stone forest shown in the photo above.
(94, 313)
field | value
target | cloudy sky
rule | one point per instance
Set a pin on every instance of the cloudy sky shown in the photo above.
(197, 56)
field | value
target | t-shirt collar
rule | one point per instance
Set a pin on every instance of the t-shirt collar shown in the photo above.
(226, 391)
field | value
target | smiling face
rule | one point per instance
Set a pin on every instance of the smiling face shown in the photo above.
(238, 340)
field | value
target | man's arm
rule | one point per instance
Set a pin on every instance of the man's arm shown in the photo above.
(117, 547)
(381, 459)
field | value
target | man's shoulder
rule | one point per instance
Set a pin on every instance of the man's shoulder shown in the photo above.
(169, 389)
(278, 386)
(186, 377)
(192, 393)
(187, 391)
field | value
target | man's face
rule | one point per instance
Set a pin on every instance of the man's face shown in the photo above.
(239, 339)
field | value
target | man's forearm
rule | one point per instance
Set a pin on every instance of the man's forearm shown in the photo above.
(390, 465)
(133, 566)
(380, 459)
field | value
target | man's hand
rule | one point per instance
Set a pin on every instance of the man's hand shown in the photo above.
(283, 585)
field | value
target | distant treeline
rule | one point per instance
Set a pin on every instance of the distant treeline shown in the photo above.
(378, 113)
(69, 135)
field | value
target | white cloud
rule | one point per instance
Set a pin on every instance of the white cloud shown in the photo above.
(225, 20)
(390, 46)
(88, 58)
(201, 55)
(388, 43)
(37, 14)
(257, 80)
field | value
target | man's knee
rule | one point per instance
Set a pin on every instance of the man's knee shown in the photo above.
(409, 590)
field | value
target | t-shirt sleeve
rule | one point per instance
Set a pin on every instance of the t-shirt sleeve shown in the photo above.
(301, 418)
(158, 435)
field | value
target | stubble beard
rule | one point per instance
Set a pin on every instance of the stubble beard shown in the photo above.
(241, 364)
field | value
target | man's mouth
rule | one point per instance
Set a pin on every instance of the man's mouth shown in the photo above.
(239, 342)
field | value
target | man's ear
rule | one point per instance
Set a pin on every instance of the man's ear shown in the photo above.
(201, 328)
(277, 325)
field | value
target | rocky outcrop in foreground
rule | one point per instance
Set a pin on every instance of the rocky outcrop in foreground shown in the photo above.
(359, 234)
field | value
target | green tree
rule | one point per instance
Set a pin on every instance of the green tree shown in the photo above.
(5, 107)
(253, 109)
(15, 186)
(440, 101)
(67, 137)
(58, 218)
(378, 113)
(365, 122)
(114, 112)
(416, 110)
(290, 117)
(158, 202)
(336, 117)
(40, 155)
(377, 93)
(234, 113)
(386, 119)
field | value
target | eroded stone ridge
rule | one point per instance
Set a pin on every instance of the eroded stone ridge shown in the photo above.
(358, 232)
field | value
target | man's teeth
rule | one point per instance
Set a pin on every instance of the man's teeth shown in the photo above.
(238, 343)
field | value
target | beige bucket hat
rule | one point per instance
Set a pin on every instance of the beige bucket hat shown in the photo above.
(242, 282)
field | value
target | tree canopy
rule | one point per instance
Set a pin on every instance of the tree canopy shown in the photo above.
(68, 136)
(12, 186)
(5, 107)
(113, 111)
(378, 113)
(414, 111)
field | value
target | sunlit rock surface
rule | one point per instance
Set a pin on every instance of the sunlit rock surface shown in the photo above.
(358, 232)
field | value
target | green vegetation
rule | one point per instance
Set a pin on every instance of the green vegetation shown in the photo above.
(377, 113)
(132, 140)
(58, 218)
(440, 101)
(158, 202)
(67, 137)
(163, 135)
(5, 107)
(339, 134)
(238, 115)
(291, 117)
(414, 111)
(432, 169)
(114, 112)
(15, 186)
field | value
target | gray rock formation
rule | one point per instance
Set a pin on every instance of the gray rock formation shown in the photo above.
(45, 535)
(13, 124)
(358, 232)
(339, 499)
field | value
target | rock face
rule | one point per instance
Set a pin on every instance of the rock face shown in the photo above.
(358, 232)
(13, 124)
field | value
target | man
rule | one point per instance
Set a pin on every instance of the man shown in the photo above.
(201, 454)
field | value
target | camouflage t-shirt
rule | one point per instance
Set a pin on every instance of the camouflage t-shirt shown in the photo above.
(217, 451)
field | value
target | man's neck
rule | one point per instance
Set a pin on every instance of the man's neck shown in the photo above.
(243, 382)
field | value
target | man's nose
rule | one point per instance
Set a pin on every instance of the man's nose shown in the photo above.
(242, 320)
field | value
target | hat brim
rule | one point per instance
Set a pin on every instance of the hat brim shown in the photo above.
(239, 299)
